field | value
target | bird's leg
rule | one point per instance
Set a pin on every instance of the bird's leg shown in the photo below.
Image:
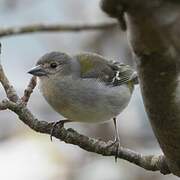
(60, 123)
(116, 139)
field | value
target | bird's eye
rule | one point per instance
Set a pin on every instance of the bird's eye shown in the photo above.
(53, 65)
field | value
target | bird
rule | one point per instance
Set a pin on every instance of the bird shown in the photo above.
(85, 87)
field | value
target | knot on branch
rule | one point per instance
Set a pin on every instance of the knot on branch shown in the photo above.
(162, 165)
(116, 9)
(113, 8)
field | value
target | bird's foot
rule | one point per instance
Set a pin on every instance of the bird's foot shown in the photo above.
(60, 124)
(116, 143)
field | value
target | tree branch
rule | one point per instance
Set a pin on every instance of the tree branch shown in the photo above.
(151, 162)
(55, 28)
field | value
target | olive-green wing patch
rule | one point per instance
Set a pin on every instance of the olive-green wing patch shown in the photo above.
(109, 72)
(86, 64)
(94, 66)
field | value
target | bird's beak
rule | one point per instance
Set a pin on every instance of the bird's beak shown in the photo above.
(38, 71)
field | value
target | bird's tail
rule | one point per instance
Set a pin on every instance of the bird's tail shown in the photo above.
(134, 78)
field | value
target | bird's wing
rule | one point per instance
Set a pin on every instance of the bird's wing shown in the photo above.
(109, 72)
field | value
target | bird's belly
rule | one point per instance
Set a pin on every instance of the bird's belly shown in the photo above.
(88, 102)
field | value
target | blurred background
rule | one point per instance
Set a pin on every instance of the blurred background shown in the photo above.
(25, 154)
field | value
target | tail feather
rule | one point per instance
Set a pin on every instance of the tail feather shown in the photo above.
(134, 78)
(123, 74)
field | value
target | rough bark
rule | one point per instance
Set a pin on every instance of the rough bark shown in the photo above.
(153, 33)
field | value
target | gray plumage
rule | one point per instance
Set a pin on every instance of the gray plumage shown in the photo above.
(85, 87)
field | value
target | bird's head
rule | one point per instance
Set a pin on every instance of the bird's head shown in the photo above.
(51, 65)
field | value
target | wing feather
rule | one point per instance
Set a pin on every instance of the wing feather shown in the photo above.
(110, 72)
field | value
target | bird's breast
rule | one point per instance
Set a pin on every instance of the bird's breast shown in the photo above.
(85, 100)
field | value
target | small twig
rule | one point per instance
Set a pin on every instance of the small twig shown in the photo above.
(9, 89)
(55, 28)
(29, 90)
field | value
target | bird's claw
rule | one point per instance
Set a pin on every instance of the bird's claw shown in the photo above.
(60, 124)
(116, 143)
